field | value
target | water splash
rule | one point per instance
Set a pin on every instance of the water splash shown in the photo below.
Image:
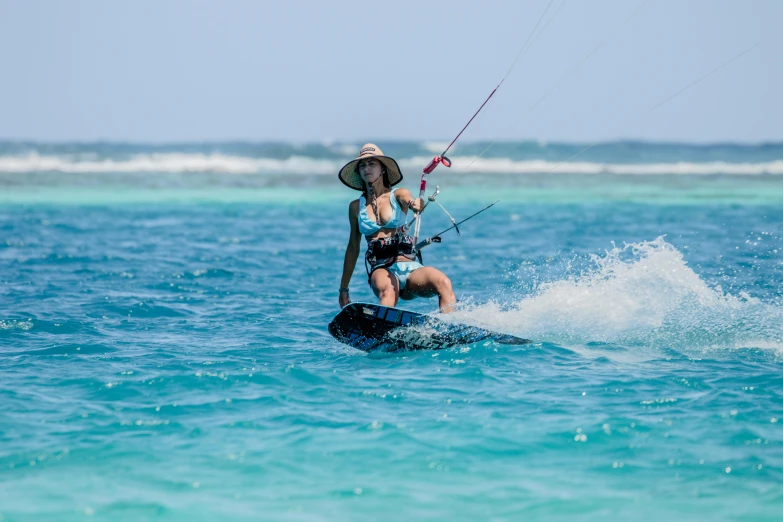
(14, 324)
(638, 294)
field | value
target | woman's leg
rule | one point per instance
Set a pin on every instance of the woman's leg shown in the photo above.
(428, 281)
(385, 286)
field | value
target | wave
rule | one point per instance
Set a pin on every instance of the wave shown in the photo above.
(436, 147)
(502, 165)
(165, 162)
(176, 162)
(639, 294)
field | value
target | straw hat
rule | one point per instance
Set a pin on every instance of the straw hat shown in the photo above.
(349, 174)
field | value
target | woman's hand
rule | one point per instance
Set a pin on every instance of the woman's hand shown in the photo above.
(345, 299)
(416, 205)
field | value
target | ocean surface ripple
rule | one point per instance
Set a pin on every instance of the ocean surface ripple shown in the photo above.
(169, 360)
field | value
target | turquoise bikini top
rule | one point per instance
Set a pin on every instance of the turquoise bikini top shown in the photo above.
(369, 227)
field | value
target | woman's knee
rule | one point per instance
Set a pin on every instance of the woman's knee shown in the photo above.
(443, 283)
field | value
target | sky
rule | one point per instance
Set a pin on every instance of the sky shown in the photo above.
(307, 71)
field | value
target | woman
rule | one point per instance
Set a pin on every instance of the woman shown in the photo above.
(379, 214)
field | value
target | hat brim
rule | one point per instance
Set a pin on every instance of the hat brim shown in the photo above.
(350, 177)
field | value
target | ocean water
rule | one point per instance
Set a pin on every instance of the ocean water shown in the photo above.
(164, 352)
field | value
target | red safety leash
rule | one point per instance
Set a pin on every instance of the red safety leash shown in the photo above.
(443, 159)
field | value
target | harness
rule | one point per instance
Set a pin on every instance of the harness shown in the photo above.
(383, 253)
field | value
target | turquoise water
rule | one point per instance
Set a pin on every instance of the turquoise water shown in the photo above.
(165, 353)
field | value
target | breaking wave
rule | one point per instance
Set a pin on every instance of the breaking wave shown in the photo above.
(178, 162)
(639, 294)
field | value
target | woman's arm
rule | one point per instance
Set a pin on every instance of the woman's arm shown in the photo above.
(351, 252)
(405, 198)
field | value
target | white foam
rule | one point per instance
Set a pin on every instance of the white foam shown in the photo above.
(168, 162)
(509, 166)
(641, 293)
(436, 147)
(16, 325)
(176, 162)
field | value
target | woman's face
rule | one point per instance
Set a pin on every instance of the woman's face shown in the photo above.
(370, 170)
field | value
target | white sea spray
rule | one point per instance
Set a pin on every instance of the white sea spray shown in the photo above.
(636, 294)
